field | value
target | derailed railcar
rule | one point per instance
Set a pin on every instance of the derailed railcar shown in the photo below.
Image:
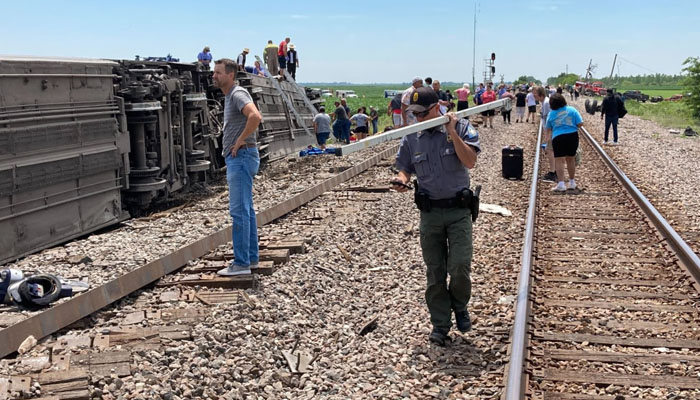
(83, 142)
(63, 146)
(173, 137)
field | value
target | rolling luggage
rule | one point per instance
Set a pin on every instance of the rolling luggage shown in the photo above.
(512, 162)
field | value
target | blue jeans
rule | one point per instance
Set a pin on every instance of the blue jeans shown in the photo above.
(374, 126)
(341, 130)
(240, 171)
(611, 120)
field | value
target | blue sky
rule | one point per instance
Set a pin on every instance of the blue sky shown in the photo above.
(371, 41)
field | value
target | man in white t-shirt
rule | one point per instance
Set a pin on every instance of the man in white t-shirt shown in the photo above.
(531, 106)
(407, 116)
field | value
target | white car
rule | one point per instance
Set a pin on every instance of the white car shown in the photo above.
(345, 93)
(326, 93)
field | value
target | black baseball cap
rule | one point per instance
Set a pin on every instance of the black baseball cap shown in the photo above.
(422, 99)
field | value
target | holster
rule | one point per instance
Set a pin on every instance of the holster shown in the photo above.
(474, 204)
(421, 199)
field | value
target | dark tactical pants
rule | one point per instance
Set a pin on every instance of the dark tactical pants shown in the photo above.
(446, 241)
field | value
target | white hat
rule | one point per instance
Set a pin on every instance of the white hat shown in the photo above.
(466, 86)
(291, 46)
(246, 50)
(416, 79)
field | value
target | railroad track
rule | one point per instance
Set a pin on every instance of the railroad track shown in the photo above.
(608, 304)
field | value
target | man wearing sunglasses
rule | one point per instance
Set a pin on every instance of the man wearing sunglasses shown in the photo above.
(441, 157)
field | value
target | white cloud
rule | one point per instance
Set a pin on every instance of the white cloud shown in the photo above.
(297, 16)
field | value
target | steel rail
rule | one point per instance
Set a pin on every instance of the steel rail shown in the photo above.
(406, 130)
(685, 254)
(515, 384)
(82, 305)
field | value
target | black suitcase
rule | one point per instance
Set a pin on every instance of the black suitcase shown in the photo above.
(512, 162)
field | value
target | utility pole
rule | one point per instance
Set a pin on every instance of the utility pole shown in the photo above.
(613, 66)
(474, 50)
(567, 69)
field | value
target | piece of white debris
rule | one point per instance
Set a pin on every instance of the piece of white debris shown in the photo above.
(27, 344)
(495, 209)
(674, 131)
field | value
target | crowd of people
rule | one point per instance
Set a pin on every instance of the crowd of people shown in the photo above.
(277, 58)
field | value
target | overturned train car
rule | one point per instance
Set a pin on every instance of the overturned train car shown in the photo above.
(84, 143)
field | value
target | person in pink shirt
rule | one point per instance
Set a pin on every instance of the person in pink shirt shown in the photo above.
(488, 96)
(463, 97)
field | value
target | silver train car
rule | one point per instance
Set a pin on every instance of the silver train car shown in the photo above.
(85, 143)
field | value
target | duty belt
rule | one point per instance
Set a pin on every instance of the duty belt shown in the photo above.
(445, 203)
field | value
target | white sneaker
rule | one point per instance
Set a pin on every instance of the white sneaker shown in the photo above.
(606, 142)
(254, 265)
(571, 186)
(615, 143)
(234, 270)
(559, 188)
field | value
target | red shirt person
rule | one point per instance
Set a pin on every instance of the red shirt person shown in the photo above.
(487, 97)
(282, 55)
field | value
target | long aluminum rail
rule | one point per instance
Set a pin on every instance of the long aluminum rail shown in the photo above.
(401, 132)
(515, 384)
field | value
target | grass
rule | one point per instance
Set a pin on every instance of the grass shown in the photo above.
(669, 114)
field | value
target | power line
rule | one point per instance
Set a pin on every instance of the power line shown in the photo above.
(637, 65)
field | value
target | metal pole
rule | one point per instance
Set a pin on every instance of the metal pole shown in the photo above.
(613, 67)
(474, 51)
(401, 132)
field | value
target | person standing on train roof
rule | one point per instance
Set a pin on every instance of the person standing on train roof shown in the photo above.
(241, 59)
(282, 55)
(239, 148)
(441, 158)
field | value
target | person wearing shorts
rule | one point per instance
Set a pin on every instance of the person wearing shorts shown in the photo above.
(531, 106)
(488, 96)
(282, 55)
(563, 123)
(360, 119)
(463, 97)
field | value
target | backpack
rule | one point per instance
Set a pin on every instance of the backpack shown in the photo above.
(396, 102)
(621, 110)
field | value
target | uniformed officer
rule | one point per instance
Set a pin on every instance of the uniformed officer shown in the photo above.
(440, 158)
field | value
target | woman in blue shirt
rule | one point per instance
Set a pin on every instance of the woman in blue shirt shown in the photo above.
(563, 123)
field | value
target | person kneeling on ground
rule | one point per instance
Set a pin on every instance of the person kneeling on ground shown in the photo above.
(441, 158)
(563, 123)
